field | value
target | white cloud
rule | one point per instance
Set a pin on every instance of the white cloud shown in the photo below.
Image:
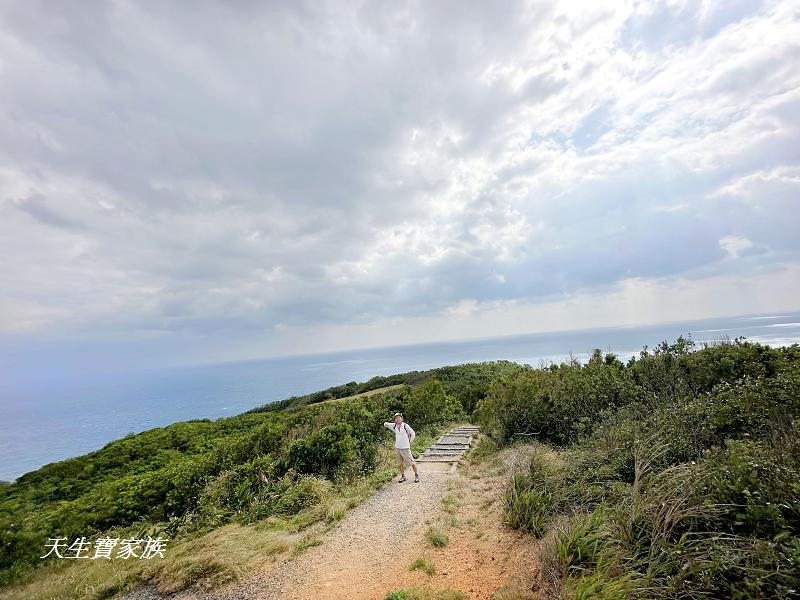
(357, 164)
(735, 245)
(762, 183)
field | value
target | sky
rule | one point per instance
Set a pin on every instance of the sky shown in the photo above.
(217, 181)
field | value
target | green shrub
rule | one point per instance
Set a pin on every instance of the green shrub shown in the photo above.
(305, 492)
(431, 404)
(324, 451)
(758, 486)
(559, 405)
(687, 483)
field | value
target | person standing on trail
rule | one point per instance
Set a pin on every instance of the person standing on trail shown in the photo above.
(403, 436)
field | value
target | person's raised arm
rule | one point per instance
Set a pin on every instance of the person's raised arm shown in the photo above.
(389, 425)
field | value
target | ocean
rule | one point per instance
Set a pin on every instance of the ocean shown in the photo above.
(52, 420)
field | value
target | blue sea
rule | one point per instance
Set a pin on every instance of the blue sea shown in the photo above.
(52, 420)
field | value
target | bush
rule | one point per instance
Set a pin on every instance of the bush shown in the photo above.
(557, 405)
(758, 486)
(430, 404)
(686, 483)
(305, 492)
(324, 451)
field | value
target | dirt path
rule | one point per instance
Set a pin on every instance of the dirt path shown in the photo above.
(369, 553)
(358, 558)
(483, 559)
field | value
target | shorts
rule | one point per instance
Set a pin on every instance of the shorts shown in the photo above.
(404, 456)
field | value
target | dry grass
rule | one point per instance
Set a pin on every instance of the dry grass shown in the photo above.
(309, 540)
(219, 557)
(207, 561)
(518, 588)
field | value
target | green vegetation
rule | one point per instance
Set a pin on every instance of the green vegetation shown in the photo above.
(425, 594)
(337, 511)
(306, 542)
(273, 471)
(449, 503)
(466, 383)
(424, 565)
(437, 537)
(676, 475)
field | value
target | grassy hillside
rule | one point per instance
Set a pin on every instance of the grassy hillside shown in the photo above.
(676, 475)
(281, 467)
(467, 383)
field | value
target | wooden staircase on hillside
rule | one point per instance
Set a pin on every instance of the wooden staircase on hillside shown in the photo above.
(451, 446)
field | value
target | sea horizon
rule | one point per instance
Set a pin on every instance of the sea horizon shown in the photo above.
(53, 420)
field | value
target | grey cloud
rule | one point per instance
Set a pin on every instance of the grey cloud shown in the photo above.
(37, 207)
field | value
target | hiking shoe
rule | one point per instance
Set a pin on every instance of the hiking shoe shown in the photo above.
(402, 479)
(416, 479)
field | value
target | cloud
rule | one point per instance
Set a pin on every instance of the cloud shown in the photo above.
(735, 246)
(281, 167)
(37, 207)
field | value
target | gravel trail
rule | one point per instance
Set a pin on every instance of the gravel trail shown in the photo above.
(359, 558)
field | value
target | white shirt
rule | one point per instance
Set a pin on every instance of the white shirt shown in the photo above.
(403, 434)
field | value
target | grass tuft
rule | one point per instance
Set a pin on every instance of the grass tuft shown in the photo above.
(437, 537)
(424, 565)
(425, 594)
(337, 512)
(580, 542)
(528, 508)
(306, 542)
(449, 503)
